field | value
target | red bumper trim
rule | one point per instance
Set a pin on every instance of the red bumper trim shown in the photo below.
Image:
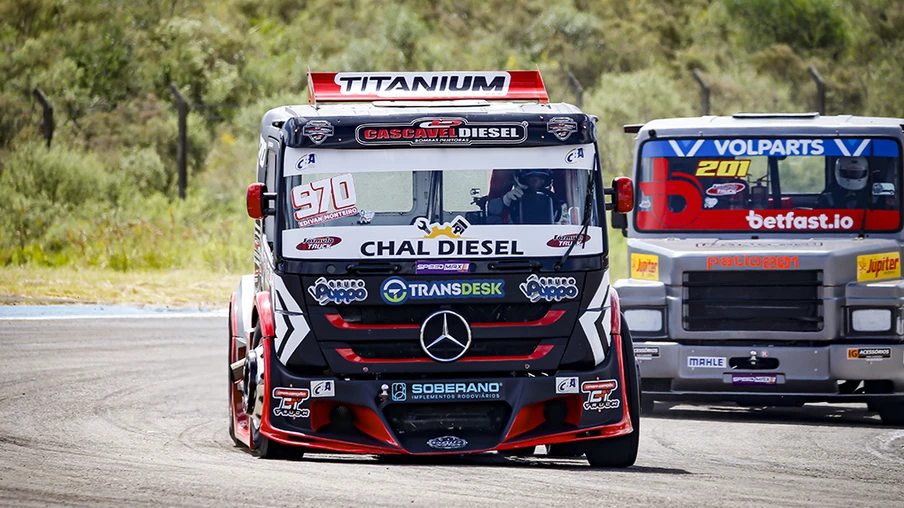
(539, 352)
(551, 317)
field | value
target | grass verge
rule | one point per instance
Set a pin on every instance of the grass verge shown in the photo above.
(35, 285)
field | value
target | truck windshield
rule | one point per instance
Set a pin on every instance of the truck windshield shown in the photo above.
(769, 185)
(529, 196)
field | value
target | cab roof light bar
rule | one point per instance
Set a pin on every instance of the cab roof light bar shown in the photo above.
(426, 86)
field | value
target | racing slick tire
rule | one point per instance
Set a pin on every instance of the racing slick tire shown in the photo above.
(621, 451)
(264, 447)
(231, 398)
(647, 404)
(892, 413)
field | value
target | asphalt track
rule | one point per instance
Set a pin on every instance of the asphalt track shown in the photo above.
(133, 412)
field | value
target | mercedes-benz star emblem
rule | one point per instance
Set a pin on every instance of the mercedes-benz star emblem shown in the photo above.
(445, 336)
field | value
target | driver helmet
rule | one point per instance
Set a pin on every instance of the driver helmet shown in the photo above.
(851, 172)
(525, 174)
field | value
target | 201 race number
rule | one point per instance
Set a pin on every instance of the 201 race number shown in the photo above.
(723, 168)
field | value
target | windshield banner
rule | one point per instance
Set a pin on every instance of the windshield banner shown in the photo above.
(438, 241)
(841, 147)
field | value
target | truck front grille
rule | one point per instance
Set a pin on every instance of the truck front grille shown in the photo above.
(487, 417)
(779, 300)
(416, 314)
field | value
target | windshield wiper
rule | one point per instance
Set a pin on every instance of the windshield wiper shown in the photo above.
(585, 225)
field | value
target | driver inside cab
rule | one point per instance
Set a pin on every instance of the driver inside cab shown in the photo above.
(530, 200)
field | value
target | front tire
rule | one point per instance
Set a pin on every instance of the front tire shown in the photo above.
(892, 413)
(264, 447)
(621, 451)
(230, 359)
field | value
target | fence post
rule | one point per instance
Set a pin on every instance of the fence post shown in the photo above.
(48, 114)
(578, 89)
(820, 89)
(181, 154)
(704, 92)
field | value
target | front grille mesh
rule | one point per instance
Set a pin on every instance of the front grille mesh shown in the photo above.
(416, 314)
(779, 300)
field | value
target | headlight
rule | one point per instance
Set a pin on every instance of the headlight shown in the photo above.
(871, 320)
(644, 320)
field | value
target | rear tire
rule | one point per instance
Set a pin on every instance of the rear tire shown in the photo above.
(621, 451)
(892, 413)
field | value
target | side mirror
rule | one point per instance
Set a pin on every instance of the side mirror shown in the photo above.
(622, 192)
(257, 201)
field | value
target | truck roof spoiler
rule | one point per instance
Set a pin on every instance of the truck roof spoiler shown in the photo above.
(748, 116)
(426, 86)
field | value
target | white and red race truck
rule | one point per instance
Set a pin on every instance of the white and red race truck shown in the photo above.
(431, 275)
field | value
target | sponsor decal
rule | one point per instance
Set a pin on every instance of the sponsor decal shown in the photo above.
(598, 395)
(566, 385)
(262, 152)
(447, 443)
(726, 189)
(399, 392)
(457, 391)
(452, 230)
(338, 291)
(318, 243)
(562, 127)
(764, 262)
(324, 200)
(868, 353)
(441, 131)
(848, 147)
(305, 161)
(439, 247)
(317, 130)
(710, 202)
(366, 216)
(574, 155)
(646, 203)
(790, 221)
(549, 288)
(441, 267)
(323, 388)
(879, 266)
(724, 169)
(396, 291)
(644, 266)
(287, 402)
(567, 240)
(411, 83)
(753, 379)
(646, 351)
(707, 362)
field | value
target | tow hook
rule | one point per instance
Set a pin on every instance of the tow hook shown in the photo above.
(384, 393)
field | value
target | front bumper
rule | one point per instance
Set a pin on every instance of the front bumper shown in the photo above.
(435, 416)
(671, 371)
